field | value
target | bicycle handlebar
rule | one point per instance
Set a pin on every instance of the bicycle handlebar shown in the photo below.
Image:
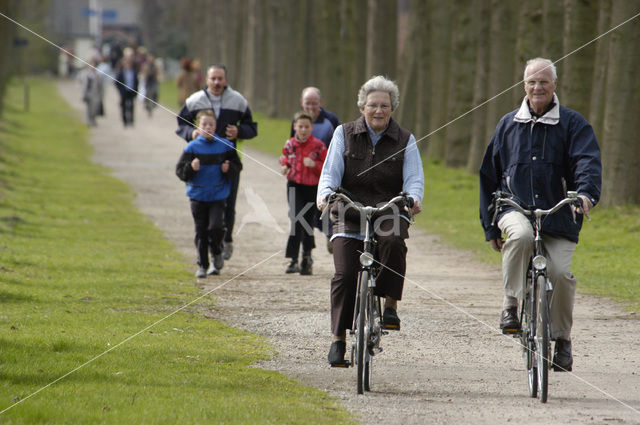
(501, 198)
(341, 194)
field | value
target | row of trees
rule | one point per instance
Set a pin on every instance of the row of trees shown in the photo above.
(458, 63)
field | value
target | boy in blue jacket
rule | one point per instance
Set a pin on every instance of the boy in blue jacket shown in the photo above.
(208, 165)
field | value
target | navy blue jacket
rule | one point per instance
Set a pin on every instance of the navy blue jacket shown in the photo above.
(538, 161)
(209, 183)
(234, 110)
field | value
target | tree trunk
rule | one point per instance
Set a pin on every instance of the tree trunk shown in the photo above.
(552, 28)
(580, 19)
(598, 92)
(7, 31)
(439, 42)
(249, 52)
(527, 44)
(502, 44)
(479, 116)
(621, 167)
(381, 44)
(460, 83)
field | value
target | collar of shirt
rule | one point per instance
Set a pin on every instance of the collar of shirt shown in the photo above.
(375, 137)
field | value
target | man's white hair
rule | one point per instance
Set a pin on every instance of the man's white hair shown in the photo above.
(549, 64)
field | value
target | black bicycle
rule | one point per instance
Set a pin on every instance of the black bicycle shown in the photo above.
(368, 327)
(535, 319)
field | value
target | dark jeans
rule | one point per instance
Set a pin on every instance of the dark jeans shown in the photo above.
(208, 218)
(392, 253)
(126, 104)
(302, 214)
(230, 210)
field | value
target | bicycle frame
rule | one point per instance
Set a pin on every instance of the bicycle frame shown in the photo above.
(535, 318)
(367, 317)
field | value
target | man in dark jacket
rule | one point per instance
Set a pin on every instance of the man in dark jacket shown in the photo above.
(234, 121)
(537, 153)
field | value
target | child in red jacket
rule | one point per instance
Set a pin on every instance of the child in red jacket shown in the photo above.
(302, 158)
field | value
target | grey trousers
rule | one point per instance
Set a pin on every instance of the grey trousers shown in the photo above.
(516, 253)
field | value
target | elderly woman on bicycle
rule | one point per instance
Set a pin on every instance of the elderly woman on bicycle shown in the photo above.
(374, 159)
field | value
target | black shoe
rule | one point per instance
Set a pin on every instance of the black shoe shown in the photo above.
(306, 266)
(292, 267)
(562, 358)
(336, 353)
(227, 250)
(509, 322)
(390, 319)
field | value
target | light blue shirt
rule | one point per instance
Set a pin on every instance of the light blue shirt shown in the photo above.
(333, 169)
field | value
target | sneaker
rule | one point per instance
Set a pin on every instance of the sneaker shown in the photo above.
(306, 266)
(218, 261)
(562, 358)
(201, 272)
(509, 322)
(336, 353)
(292, 267)
(212, 270)
(390, 319)
(227, 250)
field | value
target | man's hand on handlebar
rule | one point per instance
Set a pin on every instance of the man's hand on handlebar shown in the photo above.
(586, 205)
(496, 244)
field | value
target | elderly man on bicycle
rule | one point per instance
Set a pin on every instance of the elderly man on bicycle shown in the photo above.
(374, 159)
(537, 153)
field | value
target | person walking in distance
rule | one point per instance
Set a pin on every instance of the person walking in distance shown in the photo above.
(537, 153)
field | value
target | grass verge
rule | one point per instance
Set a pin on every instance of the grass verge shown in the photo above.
(81, 270)
(606, 259)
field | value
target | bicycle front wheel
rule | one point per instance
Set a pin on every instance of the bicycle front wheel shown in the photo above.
(361, 343)
(542, 339)
(527, 341)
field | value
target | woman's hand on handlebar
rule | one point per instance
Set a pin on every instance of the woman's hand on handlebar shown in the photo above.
(417, 207)
(322, 203)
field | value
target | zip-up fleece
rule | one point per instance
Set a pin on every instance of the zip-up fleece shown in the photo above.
(233, 110)
(209, 183)
(293, 154)
(538, 161)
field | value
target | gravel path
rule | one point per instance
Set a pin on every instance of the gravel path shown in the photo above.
(448, 365)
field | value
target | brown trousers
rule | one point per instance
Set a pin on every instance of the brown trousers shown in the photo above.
(392, 253)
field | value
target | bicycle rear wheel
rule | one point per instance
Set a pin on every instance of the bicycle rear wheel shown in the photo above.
(542, 339)
(361, 343)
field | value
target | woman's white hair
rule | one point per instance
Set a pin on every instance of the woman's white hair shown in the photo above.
(379, 83)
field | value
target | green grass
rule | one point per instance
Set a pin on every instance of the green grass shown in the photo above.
(606, 259)
(168, 95)
(81, 270)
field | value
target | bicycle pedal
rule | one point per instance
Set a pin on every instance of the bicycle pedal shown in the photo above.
(391, 327)
(343, 365)
(511, 331)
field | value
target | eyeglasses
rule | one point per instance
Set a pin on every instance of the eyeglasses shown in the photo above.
(532, 83)
(374, 107)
